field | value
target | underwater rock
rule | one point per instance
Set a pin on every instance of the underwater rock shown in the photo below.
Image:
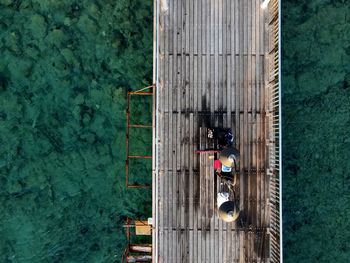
(67, 21)
(56, 37)
(4, 81)
(87, 25)
(37, 26)
(13, 42)
(97, 126)
(86, 119)
(69, 57)
(94, 10)
(74, 10)
(88, 137)
(13, 187)
(79, 99)
(20, 69)
(6, 2)
(95, 247)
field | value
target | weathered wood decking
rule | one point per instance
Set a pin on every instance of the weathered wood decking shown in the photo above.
(210, 70)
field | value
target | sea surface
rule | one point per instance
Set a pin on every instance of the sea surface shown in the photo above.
(65, 68)
(316, 130)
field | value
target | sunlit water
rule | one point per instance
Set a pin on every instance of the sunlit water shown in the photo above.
(316, 124)
(65, 68)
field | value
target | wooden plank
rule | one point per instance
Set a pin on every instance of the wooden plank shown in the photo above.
(182, 74)
(229, 73)
(197, 190)
(196, 182)
(202, 179)
(190, 249)
(172, 159)
(178, 27)
(233, 71)
(211, 201)
(176, 201)
(178, 127)
(213, 60)
(181, 174)
(193, 41)
(211, 25)
(231, 246)
(262, 81)
(240, 244)
(195, 29)
(161, 93)
(259, 169)
(191, 176)
(237, 28)
(186, 19)
(207, 203)
(249, 56)
(200, 251)
(200, 36)
(212, 92)
(249, 139)
(163, 191)
(188, 214)
(216, 28)
(160, 220)
(170, 256)
(201, 212)
(208, 53)
(238, 66)
(218, 105)
(193, 217)
(257, 56)
(255, 131)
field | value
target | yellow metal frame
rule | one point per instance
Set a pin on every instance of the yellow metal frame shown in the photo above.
(141, 92)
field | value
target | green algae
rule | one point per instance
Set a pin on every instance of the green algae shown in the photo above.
(316, 103)
(64, 73)
(65, 70)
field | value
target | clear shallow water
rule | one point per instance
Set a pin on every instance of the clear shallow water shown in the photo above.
(64, 71)
(316, 124)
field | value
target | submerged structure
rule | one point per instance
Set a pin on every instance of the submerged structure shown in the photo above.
(216, 64)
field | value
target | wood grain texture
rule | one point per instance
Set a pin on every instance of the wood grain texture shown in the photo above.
(211, 73)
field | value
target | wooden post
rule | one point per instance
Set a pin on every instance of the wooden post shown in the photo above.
(141, 258)
(141, 248)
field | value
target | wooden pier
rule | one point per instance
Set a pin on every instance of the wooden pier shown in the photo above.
(216, 64)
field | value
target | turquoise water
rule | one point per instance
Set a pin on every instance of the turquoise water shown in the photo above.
(316, 125)
(65, 69)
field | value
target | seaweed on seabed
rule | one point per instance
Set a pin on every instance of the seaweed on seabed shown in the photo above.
(15, 4)
(4, 81)
(74, 11)
(53, 138)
